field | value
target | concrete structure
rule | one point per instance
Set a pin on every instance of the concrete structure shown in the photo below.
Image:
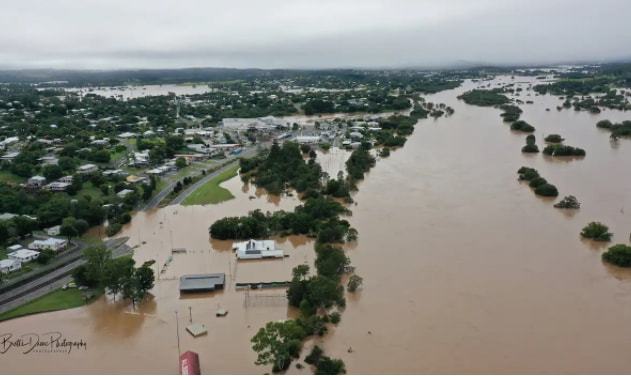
(9, 265)
(202, 282)
(257, 249)
(54, 244)
(24, 255)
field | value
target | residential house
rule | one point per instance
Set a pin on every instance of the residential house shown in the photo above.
(9, 265)
(36, 182)
(24, 255)
(54, 244)
(257, 249)
(88, 168)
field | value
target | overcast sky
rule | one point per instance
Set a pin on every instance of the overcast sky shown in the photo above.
(309, 34)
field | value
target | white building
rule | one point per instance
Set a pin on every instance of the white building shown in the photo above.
(24, 255)
(54, 244)
(257, 249)
(9, 265)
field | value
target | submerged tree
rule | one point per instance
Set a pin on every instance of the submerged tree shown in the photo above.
(596, 231)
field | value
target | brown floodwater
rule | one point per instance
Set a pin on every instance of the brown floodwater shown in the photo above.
(465, 269)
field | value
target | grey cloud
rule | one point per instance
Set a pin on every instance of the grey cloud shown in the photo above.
(308, 34)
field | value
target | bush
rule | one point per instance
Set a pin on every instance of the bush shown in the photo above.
(596, 231)
(330, 366)
(113, 229)
(354, 282)
(530, 148)
(554, 139)
(557, 150)
(527, 173)
(547, 190)
(619, 254)
(534, 183)
(522, 126)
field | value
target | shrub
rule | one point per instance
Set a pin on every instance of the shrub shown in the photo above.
(557, 150)
(527, 173)
(554, 139)
(522, 126)
(596, 231)
(113, 229)
(547, 190)
(354, 282)
(619, 254)
(530, 148)
(534, 183)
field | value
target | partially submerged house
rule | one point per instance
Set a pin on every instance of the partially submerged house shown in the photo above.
(257, 249)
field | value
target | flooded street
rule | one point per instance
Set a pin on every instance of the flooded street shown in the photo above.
(465, 269)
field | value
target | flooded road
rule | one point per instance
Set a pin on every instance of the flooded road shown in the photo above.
(465, 269)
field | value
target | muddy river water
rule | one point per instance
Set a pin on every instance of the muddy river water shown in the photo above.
(465, 269)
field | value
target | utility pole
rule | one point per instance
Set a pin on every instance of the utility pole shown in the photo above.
(177, 328)
(190, 314)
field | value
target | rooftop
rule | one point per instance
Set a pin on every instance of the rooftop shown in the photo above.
(202, 282)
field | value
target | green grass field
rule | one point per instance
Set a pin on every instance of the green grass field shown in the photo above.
(211, 192)
(55, 301)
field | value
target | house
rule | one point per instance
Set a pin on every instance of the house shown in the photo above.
(49, 160)
(24, 255)
(133, 179)
(7, 216)
(88, 168)
(308, 139)
(10, 156)
(124, 193)
(257, 249)
(127, 135)
(14, 247)
(35, 182)
(117, 172)
(57, 186)
(53, 231)
(54, 244)
(65, 179)
(9, 265)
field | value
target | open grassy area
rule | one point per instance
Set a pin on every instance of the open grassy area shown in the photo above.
(55, 301)
(211, 192)
(9, 178)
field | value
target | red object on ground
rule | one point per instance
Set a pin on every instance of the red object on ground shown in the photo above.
(189, 363)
